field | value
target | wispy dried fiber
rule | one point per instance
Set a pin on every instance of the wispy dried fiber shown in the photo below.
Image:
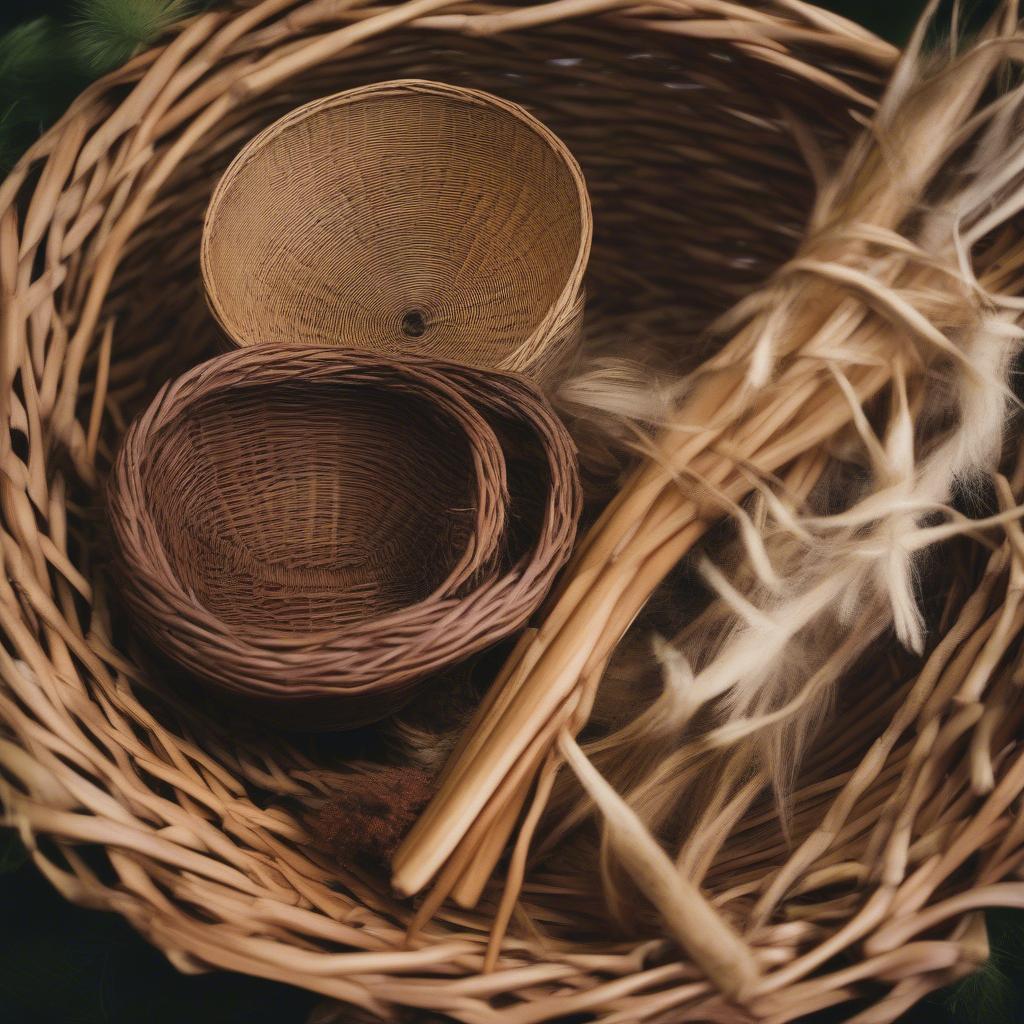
(857, 396)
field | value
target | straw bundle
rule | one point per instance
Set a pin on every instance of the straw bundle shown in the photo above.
(705, 133)
(904, 290)
(316, 530)
(404, 217)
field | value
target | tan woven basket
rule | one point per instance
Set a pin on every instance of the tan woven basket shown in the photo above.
(317, 530)
(690, 122)
(404, 217)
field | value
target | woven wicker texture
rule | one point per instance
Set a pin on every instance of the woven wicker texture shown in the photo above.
(318, 529)
(686, 122)
(403, 217)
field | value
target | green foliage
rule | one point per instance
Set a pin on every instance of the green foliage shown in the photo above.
(987, 995)
(32, 94)
(25, 52)
(106, 33)
(46, 62)
(992, 995)
(11, 145)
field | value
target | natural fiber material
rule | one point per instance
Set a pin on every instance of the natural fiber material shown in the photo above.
(369, 813)
(701, 131)
(318, 529)
(909, 275)
(404, 217)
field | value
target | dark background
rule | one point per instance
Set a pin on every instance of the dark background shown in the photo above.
(63, 965)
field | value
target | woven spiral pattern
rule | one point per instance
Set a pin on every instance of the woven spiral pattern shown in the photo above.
(316, 530)
(403, 217)
(686, 120)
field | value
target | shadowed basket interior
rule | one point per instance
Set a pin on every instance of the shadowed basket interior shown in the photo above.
(403, 217)
(689, 126)
(318, 529)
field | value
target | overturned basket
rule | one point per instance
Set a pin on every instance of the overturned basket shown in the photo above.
(317, 530)
(199, 838)
(404, 217)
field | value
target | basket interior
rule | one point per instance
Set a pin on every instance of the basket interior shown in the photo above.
(300, 507)
(403, 221)
(196, 823)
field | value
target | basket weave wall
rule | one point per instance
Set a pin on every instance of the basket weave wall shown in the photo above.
(318, 530)
(404, 217)
(684, 119)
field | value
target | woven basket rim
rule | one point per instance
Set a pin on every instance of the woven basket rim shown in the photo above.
(176, 399)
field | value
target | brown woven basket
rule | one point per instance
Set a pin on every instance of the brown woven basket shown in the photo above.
(317, 530)
(404, 217)
(701, 128)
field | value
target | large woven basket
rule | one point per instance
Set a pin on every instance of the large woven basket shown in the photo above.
(318, 530)
(134, 801)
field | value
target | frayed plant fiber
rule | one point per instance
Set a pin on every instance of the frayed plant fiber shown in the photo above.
(859, 399)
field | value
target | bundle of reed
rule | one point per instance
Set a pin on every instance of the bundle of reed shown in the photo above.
(317, 530)
(908, 276)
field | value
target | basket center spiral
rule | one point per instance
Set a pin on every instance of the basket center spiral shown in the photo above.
(414, 324)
